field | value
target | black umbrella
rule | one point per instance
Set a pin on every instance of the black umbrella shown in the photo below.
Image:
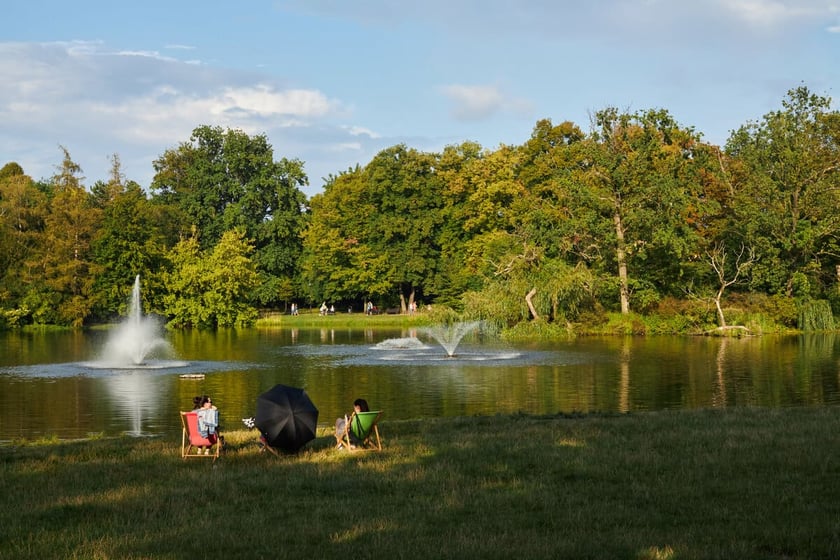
(286, 417)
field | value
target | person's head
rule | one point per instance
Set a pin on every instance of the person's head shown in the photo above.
(206, 401)
(361, 405)
(196, 402)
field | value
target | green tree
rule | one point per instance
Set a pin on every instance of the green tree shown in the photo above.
(22, 210)
(338, 261)
(462, 170)
(62, 274)
(641, 180)
(405, 225)
(225, 179)
(786, 189)
(211, 288)
(128, 243)
(375, 231)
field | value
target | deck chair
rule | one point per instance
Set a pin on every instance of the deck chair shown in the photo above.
(265, 447)
(192, 442)
(361, 431)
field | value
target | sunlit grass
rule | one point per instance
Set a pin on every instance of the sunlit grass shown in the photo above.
(670, 485)
(343, 320)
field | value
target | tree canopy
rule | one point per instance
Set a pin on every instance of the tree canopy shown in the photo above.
(630, 216)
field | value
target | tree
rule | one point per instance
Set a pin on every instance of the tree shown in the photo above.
(641, 176)
(375, 231)
(462, 170)
(786, 184)
(210, 288)
(128, 242)
(339, 263)
(727, 274)
(62, 274)
(405, 225)
(225, 179)
(22, 210)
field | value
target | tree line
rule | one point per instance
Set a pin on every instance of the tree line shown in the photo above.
(637, 215)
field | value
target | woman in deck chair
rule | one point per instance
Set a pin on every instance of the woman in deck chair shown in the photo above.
(359, 405)
(208, 418)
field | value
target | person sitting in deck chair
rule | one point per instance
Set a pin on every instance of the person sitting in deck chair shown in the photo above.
(208, 418)
(359, 405)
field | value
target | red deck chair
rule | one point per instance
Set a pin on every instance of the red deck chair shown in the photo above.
(192, 443)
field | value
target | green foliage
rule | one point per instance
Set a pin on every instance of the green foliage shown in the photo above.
(624, 218)
(786, 192)
(538, 330)
(208, 289)
(225, 179)
(22, 210)
(61, 272)
(816, 315)
(127, 243)
(375, 231)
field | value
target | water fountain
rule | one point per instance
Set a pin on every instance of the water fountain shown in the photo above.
(449, 335)
(412, 350)
(132, 343)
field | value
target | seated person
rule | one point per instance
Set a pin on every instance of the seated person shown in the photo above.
(359, 405)
(208, 419)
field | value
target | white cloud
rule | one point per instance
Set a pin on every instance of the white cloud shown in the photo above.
(137, 103)
(476, 102)
(776, 13)
(264, 100)
(361, 131)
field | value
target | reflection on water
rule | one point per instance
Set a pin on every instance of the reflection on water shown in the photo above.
(136, 395)
(48, 385)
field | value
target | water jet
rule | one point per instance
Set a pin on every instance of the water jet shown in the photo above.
(449, 335)
(136, 340)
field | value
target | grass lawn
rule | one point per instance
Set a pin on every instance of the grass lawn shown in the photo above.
(741, 483)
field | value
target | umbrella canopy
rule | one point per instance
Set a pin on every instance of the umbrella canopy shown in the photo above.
(286, 417)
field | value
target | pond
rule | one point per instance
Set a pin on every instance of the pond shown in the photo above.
(52, 385)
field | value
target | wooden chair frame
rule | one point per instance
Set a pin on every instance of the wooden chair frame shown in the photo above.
(360, 439)
(192, 442)
(265, 447)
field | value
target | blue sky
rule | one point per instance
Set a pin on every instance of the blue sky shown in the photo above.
(333, 82)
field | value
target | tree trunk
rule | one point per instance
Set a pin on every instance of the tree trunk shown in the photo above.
(528, 297)
(721, 319)
(621, 259)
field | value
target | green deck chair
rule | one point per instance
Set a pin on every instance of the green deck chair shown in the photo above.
(362, 432)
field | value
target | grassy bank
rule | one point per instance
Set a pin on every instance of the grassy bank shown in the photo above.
(707, 484)
(343, 320)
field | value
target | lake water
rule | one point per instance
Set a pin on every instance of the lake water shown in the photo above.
(50, 385)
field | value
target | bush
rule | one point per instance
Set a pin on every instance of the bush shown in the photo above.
(815, 316)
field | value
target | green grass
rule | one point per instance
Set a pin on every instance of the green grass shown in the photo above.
(746, 483)
(343, 320)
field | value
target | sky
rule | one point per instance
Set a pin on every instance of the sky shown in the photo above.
(333, 82)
